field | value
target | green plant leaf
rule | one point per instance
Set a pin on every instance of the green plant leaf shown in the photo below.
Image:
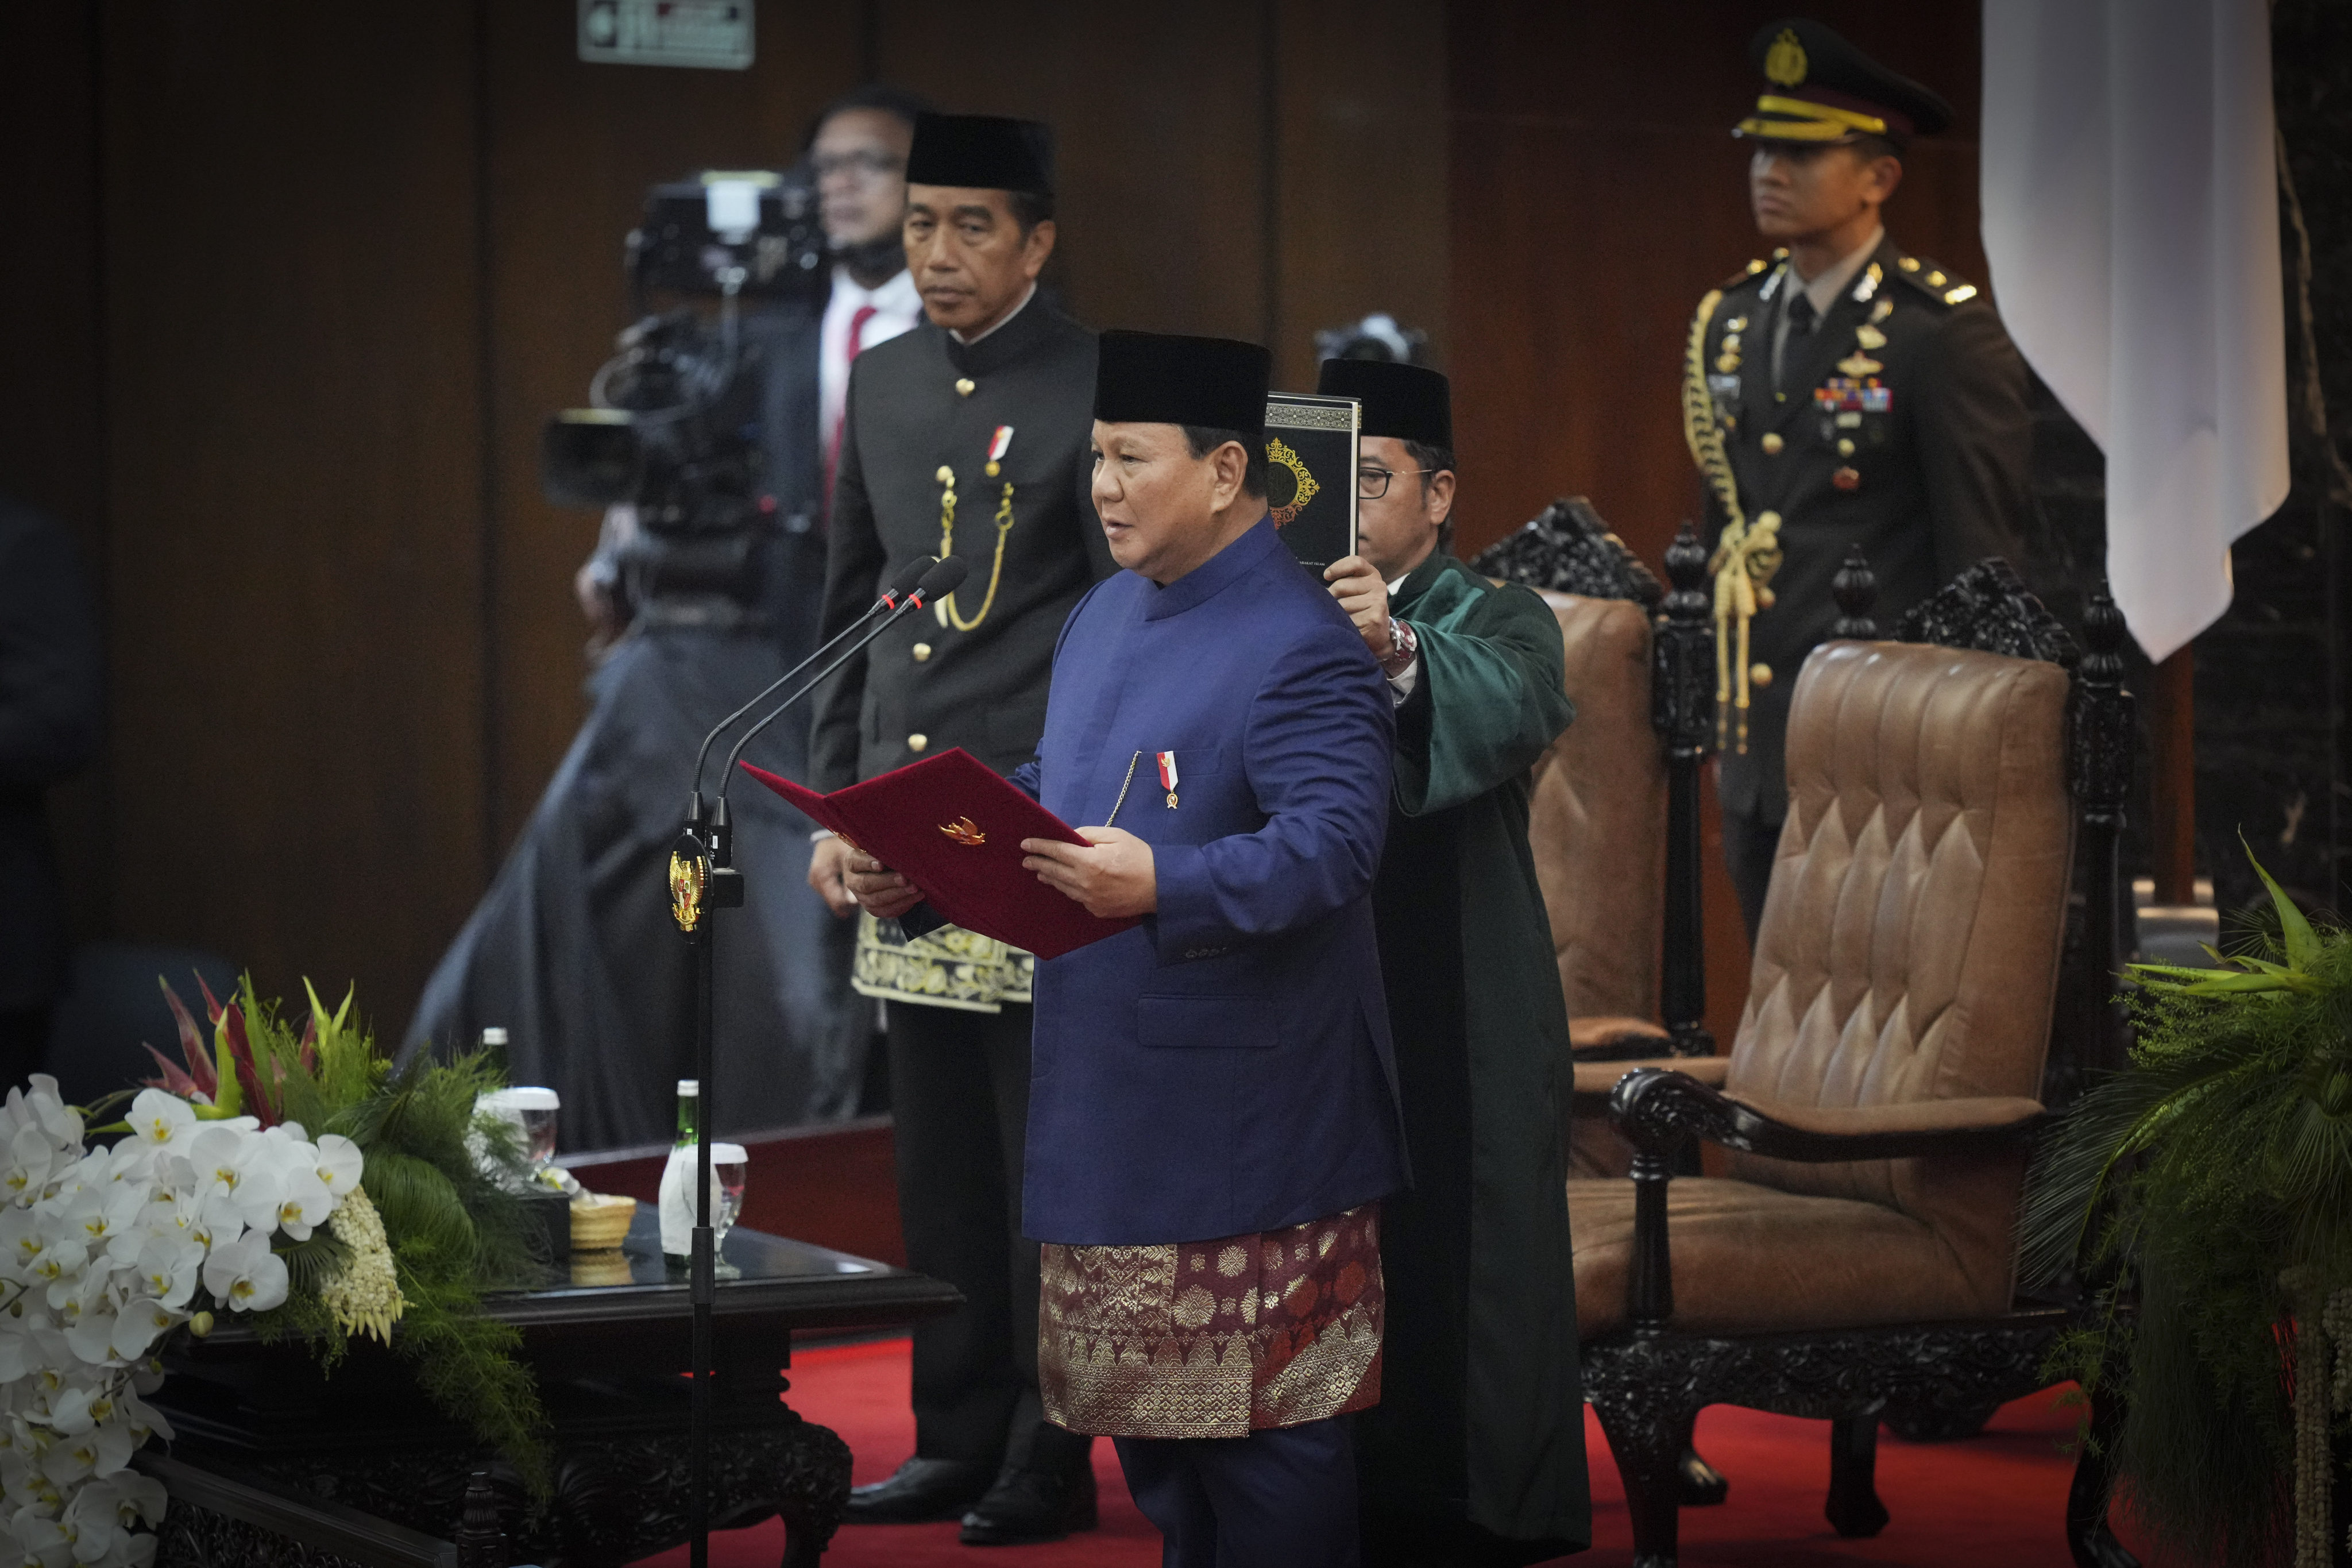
(2302, 941)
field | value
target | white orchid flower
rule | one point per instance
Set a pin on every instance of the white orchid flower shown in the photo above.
(44, 1542)
(257, 1196)
(59, 1268)
(216, 1157)
(69, 1414)
(142, 1322)
(99, 1214)
(170, 1266)
(307, 1203)
(90, 1332)
(341, 1163)
(31, 1156)
(161, 1121)
(245, 1275)
(115, 1446)
(68, 1459)
(44, 1107)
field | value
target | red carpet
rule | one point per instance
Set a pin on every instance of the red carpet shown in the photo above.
(1998, 1499)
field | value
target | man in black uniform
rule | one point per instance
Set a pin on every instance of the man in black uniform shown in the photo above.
(1844, 393)
(966, 436)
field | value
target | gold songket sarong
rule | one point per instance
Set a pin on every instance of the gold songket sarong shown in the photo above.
(1213, 1339)
(949, 967)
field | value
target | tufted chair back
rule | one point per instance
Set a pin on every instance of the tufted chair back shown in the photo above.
(1910, 944)
(1596, 820)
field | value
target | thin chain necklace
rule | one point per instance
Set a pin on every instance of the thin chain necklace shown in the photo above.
(1122, 789)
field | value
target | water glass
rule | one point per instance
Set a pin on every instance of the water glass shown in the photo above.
(730, 1167)
(533, 1111)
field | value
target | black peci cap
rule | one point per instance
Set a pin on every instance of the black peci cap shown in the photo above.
(983, 151)
(1153, 378)
(1820, 88)
(1408, 402)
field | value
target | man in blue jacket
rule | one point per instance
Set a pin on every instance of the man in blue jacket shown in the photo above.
(1212, 1116)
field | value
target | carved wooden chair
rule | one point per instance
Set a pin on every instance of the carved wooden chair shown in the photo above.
(1879, 1101)
(1612, 814)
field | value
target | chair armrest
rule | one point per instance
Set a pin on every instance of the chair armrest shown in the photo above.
(1657, 1108)
(1594, 1080)
(1610, 1040)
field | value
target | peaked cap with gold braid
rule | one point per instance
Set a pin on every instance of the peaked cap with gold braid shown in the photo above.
(1820, 88)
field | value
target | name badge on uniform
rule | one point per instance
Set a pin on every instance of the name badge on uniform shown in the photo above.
(1168, 776)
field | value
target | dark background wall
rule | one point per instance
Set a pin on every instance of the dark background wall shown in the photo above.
(297, 284)
(294, 286)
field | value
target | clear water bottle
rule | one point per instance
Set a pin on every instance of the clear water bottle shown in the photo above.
(678, 1176)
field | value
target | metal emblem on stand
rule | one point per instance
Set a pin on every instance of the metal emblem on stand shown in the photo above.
(689, 876)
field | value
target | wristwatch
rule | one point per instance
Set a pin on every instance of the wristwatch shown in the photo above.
(1403, 648)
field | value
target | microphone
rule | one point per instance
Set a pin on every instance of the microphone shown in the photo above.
(911, 577)
(937, 582)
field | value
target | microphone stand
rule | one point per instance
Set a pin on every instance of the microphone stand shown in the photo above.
(702, 879)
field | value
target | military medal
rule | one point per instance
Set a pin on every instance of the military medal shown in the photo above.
(998, 446)
(1168, 776)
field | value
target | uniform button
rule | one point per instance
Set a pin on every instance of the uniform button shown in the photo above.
(1845, 446)
(922, 650)
(1773, 443)
(1760, 675)
(965, 386)
(916, 742)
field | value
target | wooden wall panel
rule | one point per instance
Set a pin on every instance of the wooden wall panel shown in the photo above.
(1360, 177)
(571, 148)
(1158, 111)
(1596, 195)
(52, 414)
(293, 364)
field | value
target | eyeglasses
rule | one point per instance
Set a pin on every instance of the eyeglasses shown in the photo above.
(1371, 484)
(864, 161)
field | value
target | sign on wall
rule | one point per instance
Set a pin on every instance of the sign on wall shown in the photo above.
(712, 35)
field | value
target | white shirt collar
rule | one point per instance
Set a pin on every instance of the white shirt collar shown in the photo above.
(968, 342)
(1825, 289)
(894, 296)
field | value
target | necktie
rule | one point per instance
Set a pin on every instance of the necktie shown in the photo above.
(864, 314)
(1801, 317)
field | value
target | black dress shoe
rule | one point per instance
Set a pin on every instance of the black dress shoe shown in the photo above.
(1033, 1504)
(921, 1491)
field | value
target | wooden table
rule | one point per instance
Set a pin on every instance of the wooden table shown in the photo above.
(276, 1464)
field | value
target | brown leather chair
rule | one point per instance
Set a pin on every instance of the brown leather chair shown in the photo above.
(1608, 797)
(1880, 1098)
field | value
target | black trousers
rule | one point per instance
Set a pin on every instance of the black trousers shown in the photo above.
(1749, 845)
(960, 1101)
(1278, 1499)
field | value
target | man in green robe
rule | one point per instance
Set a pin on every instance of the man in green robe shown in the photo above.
(1475, 1453)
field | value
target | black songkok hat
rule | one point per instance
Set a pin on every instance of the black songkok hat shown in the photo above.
(1820, 88)
(983, 150)
(1408, 402)
(1151, 378)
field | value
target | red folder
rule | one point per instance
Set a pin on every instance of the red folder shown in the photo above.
(953, 827)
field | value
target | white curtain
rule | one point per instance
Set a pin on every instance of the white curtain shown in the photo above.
(2130, 201)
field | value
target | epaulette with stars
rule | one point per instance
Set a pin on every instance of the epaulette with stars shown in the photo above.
(1750, 273)
(1944, 287)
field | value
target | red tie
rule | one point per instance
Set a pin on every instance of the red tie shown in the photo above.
(864, 314)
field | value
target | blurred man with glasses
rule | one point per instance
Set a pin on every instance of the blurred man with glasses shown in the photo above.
(1481, 1348)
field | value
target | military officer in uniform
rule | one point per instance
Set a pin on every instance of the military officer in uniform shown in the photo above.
(966, 436)
(1844, 393)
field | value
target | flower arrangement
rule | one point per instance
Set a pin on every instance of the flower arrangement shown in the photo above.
(2206, 1190)
(220, 1197)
